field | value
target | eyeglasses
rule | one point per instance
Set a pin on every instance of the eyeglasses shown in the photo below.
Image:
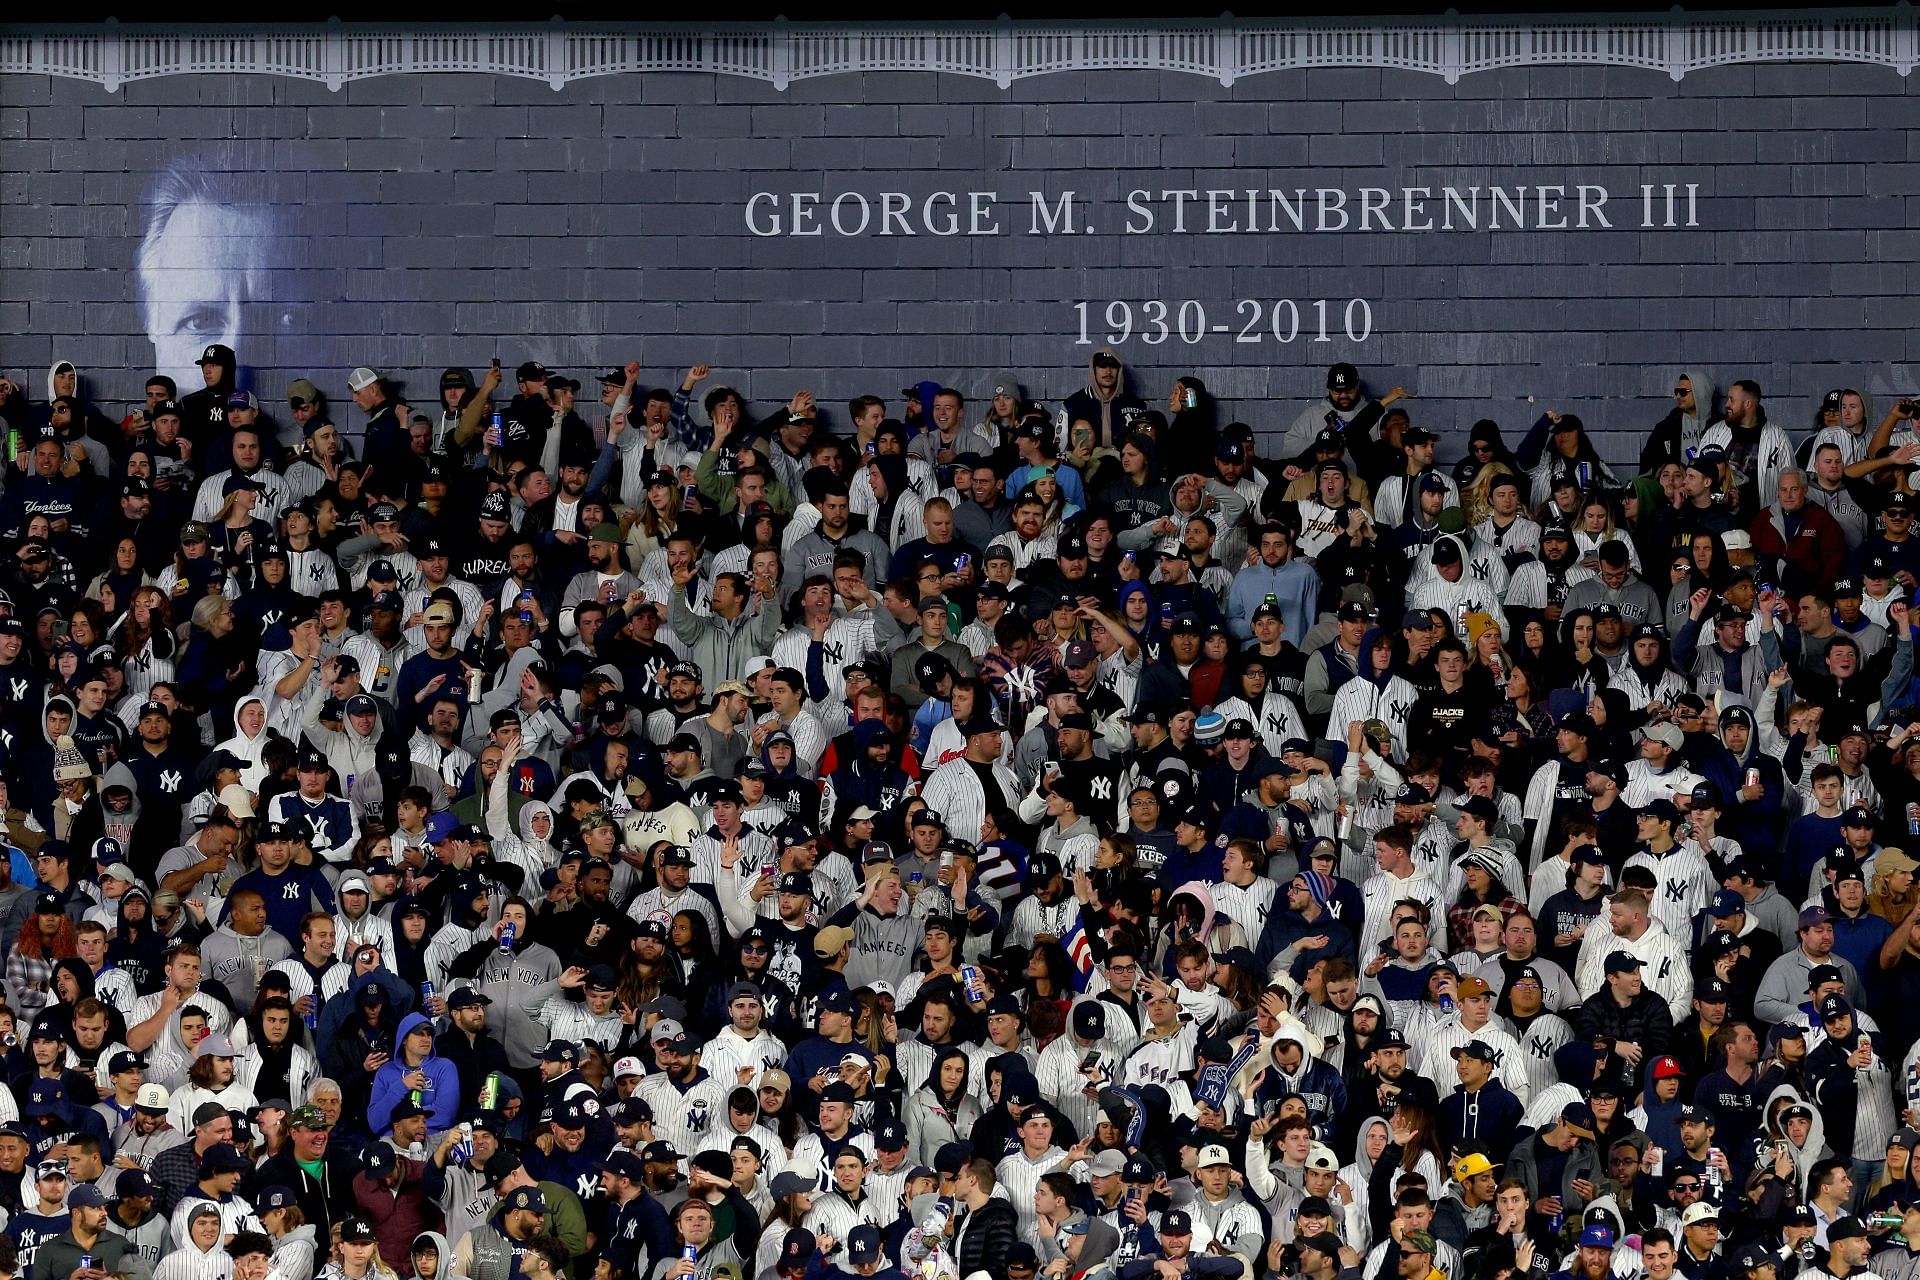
(758, 948)
(1686, 1186)
(1683, 391)
(1123, 968)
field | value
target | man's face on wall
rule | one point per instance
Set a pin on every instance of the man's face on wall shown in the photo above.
(203, 276)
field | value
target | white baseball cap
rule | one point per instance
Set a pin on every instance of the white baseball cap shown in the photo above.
(628, 1067)
(1213, 1155)
(237, 799)
(361, 378)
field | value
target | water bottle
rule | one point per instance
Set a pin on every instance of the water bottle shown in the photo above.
(507, 933)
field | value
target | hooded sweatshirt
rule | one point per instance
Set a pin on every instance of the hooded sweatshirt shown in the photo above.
(248, 749)
(1677, 435)
(1111, 413)
(441, 1096)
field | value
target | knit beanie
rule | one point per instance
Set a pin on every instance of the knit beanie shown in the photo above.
(1319, 886)
(68, 764)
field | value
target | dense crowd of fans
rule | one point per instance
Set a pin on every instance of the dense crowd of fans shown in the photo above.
(631, 838)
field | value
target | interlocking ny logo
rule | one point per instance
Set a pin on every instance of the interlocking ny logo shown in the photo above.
(170, 780)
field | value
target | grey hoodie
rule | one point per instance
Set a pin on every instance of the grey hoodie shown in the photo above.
(236, 962)
(148, 1240)
(1694, 425)
(440, 1245)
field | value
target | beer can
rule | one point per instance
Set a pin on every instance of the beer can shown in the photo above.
(1753, 780)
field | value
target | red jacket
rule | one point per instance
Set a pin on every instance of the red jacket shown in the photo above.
(1816, 553)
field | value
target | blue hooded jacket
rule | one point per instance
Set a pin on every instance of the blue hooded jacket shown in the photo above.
(440, 1099)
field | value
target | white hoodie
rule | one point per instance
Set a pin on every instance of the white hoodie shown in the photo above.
(247, 748)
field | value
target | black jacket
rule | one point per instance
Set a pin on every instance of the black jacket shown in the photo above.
(324, 1200)
(986, 1237)
(1645, 1021)
(473, 1060)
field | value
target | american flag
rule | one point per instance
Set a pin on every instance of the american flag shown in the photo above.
(1079, 953)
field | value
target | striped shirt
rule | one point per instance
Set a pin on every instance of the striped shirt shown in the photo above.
(1020, 1174)
(575, 1022)
(236, 1215)
(188, 1263)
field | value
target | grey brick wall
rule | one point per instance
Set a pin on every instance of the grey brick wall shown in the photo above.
(428, 220)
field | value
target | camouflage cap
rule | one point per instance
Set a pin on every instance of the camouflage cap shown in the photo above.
(308, 1117)
(1417, 1242)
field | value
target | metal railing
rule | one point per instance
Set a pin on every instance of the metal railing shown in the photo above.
(112, 54)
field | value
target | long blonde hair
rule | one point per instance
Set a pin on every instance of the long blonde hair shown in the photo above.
(1476, 499)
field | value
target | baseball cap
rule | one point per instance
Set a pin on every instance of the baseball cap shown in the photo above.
(1470, 1166)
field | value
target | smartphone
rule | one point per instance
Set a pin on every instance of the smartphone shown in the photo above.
(1193, 399)
(1091, 1061)
(496, 364)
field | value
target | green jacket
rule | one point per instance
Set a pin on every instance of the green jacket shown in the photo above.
(719, 488)
(58, 1258)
